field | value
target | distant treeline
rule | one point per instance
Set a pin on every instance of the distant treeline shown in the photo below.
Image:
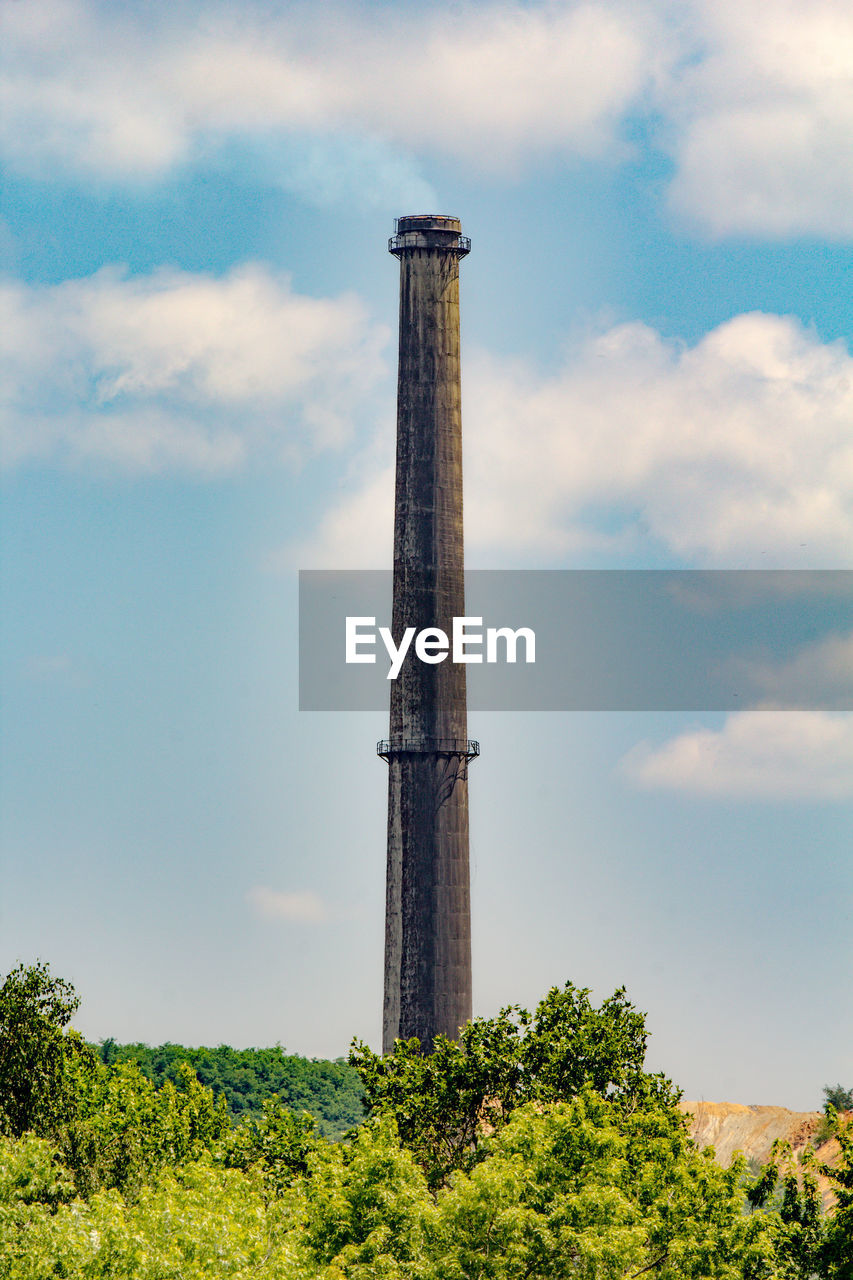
(329, 1091)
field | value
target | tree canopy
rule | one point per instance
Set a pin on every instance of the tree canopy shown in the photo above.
(534, 1148)
(329, 1091)
(446, 1101)
(40, 1062)
(838, 1097)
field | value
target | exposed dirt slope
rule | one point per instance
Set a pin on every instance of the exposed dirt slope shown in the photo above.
(729, 1127)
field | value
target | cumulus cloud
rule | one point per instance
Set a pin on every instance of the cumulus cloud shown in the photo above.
(760, 118)
(101, 89)
(272, 904)
(713, 593)
(756, 755)
(181, 370)
(821, 674)
(733, 453)
(356, 533)
(754, 103)
(357, 171)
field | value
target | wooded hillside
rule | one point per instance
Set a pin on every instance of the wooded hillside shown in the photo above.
(329, 1091)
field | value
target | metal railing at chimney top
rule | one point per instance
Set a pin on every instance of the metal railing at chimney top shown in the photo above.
(462, 244)
(466, 747)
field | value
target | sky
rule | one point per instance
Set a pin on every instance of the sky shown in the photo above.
(199, 329)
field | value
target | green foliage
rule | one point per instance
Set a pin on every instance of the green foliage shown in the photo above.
(445, 1102)
(837, 1250)
(837, 1097)
(583, 1189)
(129, 1129)
(534, 1148)
(277, 1144)
(32, 1173)
(571, 1045)
(329, 1091)
(809, 1243)
(575, 1190)
(194, 1223)
(799, 1229)
(43, 1067)
(365, 1208)
(440, 1101)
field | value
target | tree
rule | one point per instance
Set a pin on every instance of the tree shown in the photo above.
(329, 1091)
(110, 1126)
(788, 1182)
(445, 1102)
(42, 1066)
(536, 1147)
(197, 1222)
(125, 1129)
(571, 1045)
(837, 1252)
(278, 1144)
(441, 1101)
(364, 1207)
(809, 1244)
(838, 1097)
(587, 1189)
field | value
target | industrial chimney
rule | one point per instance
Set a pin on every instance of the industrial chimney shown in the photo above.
(428, 914)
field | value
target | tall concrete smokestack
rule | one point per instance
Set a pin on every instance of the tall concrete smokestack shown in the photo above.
(428, 911)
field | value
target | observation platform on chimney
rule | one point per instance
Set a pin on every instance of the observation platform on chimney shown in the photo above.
(466, 747)
(429, 231)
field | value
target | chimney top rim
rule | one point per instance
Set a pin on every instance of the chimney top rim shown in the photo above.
(427, 222)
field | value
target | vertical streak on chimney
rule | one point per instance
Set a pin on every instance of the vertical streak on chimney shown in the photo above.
(428, 914)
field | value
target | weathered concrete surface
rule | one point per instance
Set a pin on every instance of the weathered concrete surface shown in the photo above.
(729, 1127)
(427, 926)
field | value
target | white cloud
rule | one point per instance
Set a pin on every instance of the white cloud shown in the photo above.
(760, 755)
(753, 101)
(760, 118)
(357, 533)
(344, 168)
(730, 453)
(821, 674)
(272, 904)
(729, 592)
(104, 90)
(181, 370)
(734, 453)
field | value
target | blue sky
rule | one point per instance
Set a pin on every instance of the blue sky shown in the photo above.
(199, 362)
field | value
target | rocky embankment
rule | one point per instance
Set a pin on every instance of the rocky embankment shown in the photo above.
(729, 1127)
